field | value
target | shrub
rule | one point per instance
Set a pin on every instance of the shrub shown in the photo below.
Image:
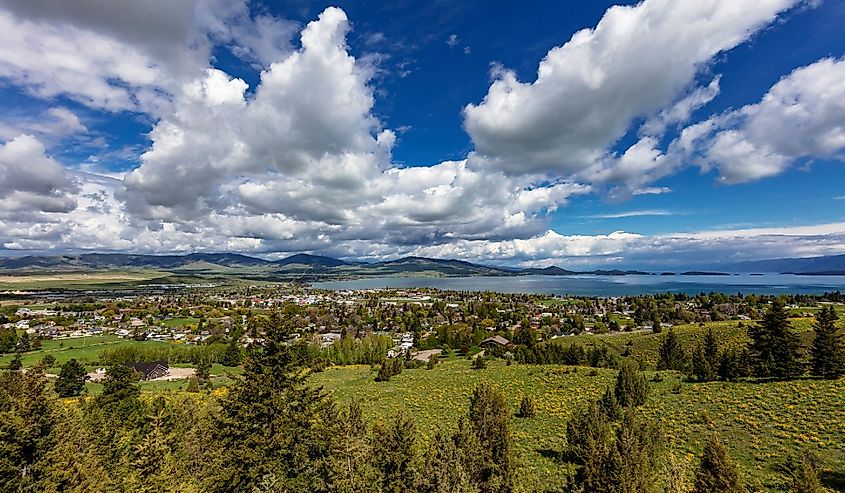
(717, 472)
(631, 386)
(49, 361)
(389, 368)
(527, 408)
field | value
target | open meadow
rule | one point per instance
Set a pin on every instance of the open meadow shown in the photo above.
(762, 423)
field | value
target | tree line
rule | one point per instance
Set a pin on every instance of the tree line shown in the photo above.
(775, 351)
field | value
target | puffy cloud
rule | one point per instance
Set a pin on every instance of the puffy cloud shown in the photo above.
(307, 154)
(635, 63)
(124, 55)
(32, 182)
(801, 116)
(50, 60)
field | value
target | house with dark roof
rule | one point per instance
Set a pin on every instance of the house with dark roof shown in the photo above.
(149, 371)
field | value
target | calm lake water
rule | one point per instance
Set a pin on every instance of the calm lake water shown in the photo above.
(608, 285)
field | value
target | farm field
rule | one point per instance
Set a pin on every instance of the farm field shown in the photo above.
(761, 422)
(79, 280)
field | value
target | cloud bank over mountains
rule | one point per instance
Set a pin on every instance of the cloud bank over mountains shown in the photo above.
(301, 162)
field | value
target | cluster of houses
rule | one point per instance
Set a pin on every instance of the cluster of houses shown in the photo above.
(402, 343)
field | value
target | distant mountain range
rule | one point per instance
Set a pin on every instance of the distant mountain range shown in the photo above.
(309, 266)
(296, 265)
(827, 265)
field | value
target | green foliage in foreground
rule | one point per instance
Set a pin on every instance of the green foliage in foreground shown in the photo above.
(124, 439)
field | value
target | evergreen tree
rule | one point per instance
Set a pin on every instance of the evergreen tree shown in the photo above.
(273, 426)
(775, 348)
(153, 467)
(469, 450)
(717, 472)
(72, 463)
(631, 386)
(827, 354)
(25, 427)
(589, 436)
(490, 419)
(705, 361)
(805, 475)
(193, 385)
(443, 470)
(202, 373)
(390, 367)
(734, 365)
(232, 357)
(609, 405)
(119, 387)
(352, 468)
(527, 409)
(633, 463)
(671, 355)
(114, 416)
(611, 458)
(525, 336)
(16, 363)
(479, 363)
(24, 345)
(393, 453)
(71, 379)
(203, 370)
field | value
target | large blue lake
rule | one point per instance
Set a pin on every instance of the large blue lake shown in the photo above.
(608, 285)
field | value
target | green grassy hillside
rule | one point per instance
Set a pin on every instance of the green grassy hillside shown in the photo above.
(762, 423)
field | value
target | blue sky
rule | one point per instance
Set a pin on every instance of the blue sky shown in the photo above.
(664, 132)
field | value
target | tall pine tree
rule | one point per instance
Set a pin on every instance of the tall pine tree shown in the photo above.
(490, 418)
(827, 354)
(671, 355)
(352, 467)
(705, 360)
(273, 427)
(775, 348)
(71, 379)
(393, 453)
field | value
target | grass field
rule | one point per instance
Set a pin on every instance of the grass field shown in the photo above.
(85, 349)
(760, 422)
(180, 321)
